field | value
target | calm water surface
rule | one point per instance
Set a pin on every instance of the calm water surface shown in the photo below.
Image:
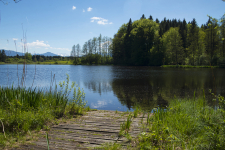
(122, 87)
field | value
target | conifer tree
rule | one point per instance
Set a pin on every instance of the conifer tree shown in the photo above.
(150, 17)
(127, 43)
(73, 52)
(100, 44)
(3, 56)
(78, 50)
(85, 48)
(192, 37)
(0, 55)
(222, 29)
(212, 39)
(143, 17)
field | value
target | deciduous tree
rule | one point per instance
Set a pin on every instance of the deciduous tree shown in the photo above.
(173, 44)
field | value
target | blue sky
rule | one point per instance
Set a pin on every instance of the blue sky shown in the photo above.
(56, 25)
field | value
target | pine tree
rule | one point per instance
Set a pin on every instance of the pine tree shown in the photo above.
(100, 44)
(127, 43)
(78, 50)
(3, 56)
(143, 17)
(222, 29)
(192, 37)
(0, 55)
(212, 39)
(85, 48)
(94, 43)
(150, 17)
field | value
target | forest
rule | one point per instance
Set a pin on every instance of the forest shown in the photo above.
(146, 42)
(94, 51)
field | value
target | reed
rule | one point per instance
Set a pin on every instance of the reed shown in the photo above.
(186, 124)
(187, 66)
(22, 110)
(125, 126)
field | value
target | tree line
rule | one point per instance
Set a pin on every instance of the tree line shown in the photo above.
(28, 57)
(94, 51)
(169, 42)
(2, 56)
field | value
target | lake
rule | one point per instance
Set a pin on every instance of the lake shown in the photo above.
(122, 87)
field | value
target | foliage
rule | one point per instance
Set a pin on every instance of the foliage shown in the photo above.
(110, 146)
(22, 110)
(96, 59)
(136, 111)
(148, 42)
(28, 56)
(125, 127)
(186, 124)
(132, 43)
(173, 44)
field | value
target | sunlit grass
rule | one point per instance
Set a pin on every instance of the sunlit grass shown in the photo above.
(187, 66)
(23, 110)
(110, 146)
(186, 124)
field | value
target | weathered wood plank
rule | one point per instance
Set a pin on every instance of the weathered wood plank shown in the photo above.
(89, 131)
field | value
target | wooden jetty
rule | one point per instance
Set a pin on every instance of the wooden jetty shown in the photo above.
(89, 131)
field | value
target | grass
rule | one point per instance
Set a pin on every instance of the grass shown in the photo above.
(186, 124)
(110, 146)
(24, 110)
(187, 66)
(137, 110)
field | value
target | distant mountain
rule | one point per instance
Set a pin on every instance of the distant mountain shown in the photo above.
(13, 53)
(48, 54)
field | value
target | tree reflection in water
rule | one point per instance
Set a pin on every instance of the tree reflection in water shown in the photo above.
(150, 87)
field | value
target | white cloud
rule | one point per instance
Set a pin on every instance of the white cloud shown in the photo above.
(15, 39)
(89, 9)
(100, 20)
(63, 54)
(38, 44)
(64, 49)
(99, 104)
(83, 10)
(73, 7)
(42, 44)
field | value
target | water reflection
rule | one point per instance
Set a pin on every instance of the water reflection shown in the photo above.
(99, 86)
(121, 87)
(152, 87)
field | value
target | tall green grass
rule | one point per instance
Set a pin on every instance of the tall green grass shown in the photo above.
(187, 66)
(186, 124)
(22, 110)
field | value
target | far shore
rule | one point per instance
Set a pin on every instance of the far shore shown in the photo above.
(70, 63)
